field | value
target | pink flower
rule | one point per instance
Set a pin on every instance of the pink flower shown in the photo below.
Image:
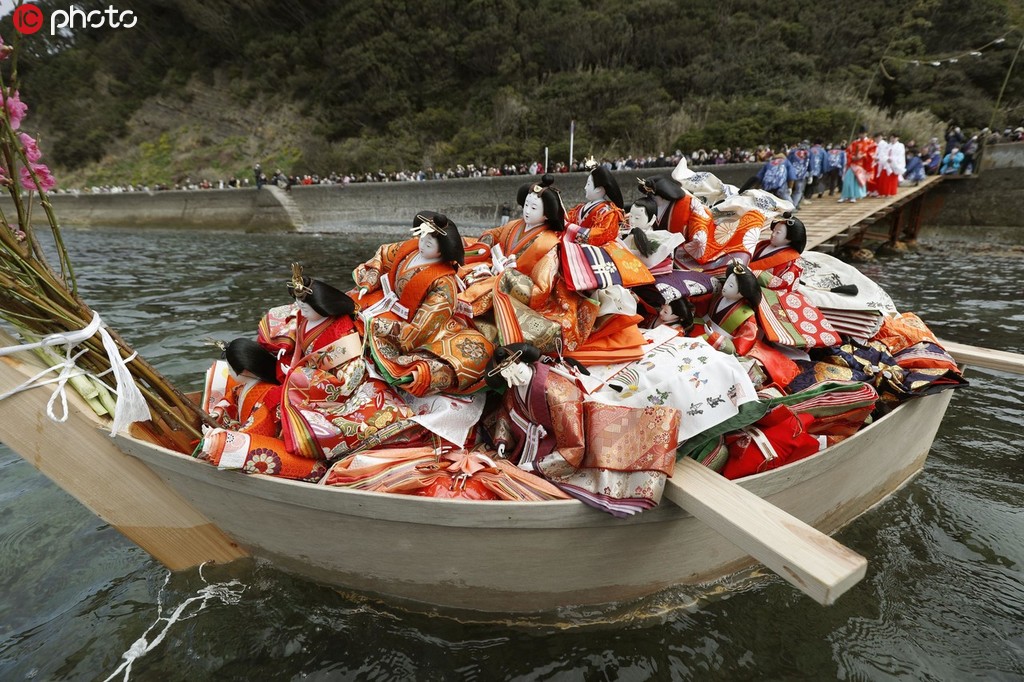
(31, 147)
(5, 50)
(46, 180)
(16, 109)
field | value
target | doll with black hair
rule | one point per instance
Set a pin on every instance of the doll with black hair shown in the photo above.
(597, 220)
(715, 235)
(523, 242)
(776, 258)
(246, 393)
(656, 248)
(408, 294)
(243, 395)
(521, 294)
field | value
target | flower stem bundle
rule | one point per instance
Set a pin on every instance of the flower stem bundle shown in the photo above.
(38, 299)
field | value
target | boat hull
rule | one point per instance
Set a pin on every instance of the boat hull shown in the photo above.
(530, 557)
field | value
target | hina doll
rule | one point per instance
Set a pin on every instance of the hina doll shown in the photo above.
(733, 325)
(678, 210)
(597, 220)
(778, 254)
(243, 391)
(655, 248)
(610, 457)
(408, 293)
(329, 405)
(520, 294)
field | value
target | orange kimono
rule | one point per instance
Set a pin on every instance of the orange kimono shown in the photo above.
(599, 222)
(415, 337)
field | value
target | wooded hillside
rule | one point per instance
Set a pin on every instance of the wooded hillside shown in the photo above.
(358, 86)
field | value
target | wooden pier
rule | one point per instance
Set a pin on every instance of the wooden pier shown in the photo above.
(831, 224)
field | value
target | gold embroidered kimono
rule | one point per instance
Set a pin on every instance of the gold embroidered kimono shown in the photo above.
(415, 338)
(532, 285)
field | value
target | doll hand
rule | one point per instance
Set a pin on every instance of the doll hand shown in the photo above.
(362, 290)
(501, 451)
(479, 272)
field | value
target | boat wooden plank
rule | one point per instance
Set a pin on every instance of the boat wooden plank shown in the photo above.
(80, 457)
(985, 357)
(811, 561)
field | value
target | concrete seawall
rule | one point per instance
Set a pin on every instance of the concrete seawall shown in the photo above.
(472, 202)
(986, 199)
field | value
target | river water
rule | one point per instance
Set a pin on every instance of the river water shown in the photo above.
(942, 599)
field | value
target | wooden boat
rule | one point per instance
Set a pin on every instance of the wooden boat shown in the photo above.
(483, 556)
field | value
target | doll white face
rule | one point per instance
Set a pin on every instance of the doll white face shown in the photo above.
(731, 289)
(517, 374)
(533, 210)
(638, 218)
(308, 313)
(666, 315)
(429, 247)
(780, 234)
(593, 193)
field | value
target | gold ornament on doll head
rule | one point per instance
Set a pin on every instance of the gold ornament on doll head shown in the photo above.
(644, 187)
(297, 283)
(427, 226)
(506, 363)
(591, 163)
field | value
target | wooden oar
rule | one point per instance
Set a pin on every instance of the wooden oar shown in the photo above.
(985, 357)
(82, 459)
(814, 563)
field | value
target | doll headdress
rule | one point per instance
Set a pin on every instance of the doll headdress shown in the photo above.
(645, 187)
(298, 283)
(507, 362)
(591, 163)
(429, 224)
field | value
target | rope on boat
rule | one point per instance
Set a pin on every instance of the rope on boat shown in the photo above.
(227, 593)
(131, 406)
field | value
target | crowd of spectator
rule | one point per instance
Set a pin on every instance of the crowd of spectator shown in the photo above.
(931, 154)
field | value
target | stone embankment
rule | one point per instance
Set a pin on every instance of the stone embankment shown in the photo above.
(987, 199)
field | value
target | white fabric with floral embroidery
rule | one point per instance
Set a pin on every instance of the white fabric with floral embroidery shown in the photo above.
(705, 385)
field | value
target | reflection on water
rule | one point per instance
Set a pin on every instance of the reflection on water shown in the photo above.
(941, 600)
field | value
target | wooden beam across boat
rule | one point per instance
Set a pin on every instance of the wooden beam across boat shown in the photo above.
(988, 358)
(79, 456)
(811, 561)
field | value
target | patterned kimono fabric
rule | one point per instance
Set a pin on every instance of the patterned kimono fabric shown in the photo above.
(332, 405)
(459, 474)
(261, 440)
(786, 315)
(781, 263)
(858, 315)
(730, 233)
(251, 407)
(531, 302)
(872, 363)
(613, 458)
(276, 332)
(417, 341)
(741, 334)
(798, 425)
(602, 220)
